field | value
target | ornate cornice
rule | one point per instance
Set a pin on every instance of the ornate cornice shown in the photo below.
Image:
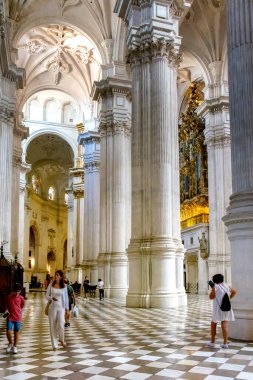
(111, 86)
(156, 48)
(114, 127)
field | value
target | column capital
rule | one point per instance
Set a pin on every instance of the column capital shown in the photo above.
(115, 127)
(153, 28)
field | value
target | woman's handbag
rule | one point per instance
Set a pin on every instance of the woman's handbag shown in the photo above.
(75, 311)
(47, 307)
(48, 304)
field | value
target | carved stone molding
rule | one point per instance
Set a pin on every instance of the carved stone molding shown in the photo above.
(156, 48)
(218, 141)
(115, 127)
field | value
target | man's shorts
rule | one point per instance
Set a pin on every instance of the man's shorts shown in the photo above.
(16, 326)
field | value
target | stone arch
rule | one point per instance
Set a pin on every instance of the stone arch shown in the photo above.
(38, 133)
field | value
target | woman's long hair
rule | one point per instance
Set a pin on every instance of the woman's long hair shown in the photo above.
(62, 285)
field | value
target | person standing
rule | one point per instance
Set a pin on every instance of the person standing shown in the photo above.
(13, 311)
(86, 287)
(218, 290)
(101, 289)
(58, 295)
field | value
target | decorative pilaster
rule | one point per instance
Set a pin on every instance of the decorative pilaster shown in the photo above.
(90, 141)
(113, 95)
(155, 252)
(215, 110)
(239, 218)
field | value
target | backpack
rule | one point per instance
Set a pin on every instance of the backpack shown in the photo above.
(225, 303)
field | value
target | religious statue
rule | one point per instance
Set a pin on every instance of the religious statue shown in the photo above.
(203, 245)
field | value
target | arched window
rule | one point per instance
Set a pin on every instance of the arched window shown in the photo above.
(51, 193)
(52, 112)
(69, 114)
(36, 110)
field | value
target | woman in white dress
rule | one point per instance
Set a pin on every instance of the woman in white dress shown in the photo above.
(219, 288)
(58, 295)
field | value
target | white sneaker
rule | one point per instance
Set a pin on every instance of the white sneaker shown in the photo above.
(224, 345)
(14, 350)
(9, 348)
(210, 344)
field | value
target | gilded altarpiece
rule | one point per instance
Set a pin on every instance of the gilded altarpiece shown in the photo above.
(193, 161)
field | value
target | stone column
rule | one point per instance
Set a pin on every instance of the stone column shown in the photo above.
(90, 141)
(239, 218)
(77, 174)
(22, 228)
(113, 95)
(11, 79)
(20, 133)
(155, 252)
(217, 137)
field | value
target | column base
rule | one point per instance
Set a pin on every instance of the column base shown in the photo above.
(156, 273)
(239, 222)
(241, 328)
(160, 301)
(114, 266)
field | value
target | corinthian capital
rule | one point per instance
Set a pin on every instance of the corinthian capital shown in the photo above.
(155, 48)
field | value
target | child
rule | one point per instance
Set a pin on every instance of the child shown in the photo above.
(14, 305)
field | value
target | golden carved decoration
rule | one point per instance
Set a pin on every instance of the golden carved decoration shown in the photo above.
(193, 161)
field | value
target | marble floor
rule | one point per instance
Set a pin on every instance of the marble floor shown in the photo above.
(108, 341)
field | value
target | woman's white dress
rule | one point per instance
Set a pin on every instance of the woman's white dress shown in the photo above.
(218, 314)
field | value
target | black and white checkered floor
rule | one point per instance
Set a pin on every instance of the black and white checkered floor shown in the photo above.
(108, 341)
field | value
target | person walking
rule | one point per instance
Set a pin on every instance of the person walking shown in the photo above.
(86, 288)
(218, 290)
(58, 295)
(101, 289)
(72, 301)
(13, 312)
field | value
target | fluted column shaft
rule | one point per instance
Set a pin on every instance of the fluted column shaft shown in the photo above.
(6, 143)
(113, 95)
(90, 141)
(155, 252)
(239, 218)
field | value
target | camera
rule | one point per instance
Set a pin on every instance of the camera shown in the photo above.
(211, 283)
(6, 314)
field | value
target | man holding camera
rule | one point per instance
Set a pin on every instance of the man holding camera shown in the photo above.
(218, 290)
